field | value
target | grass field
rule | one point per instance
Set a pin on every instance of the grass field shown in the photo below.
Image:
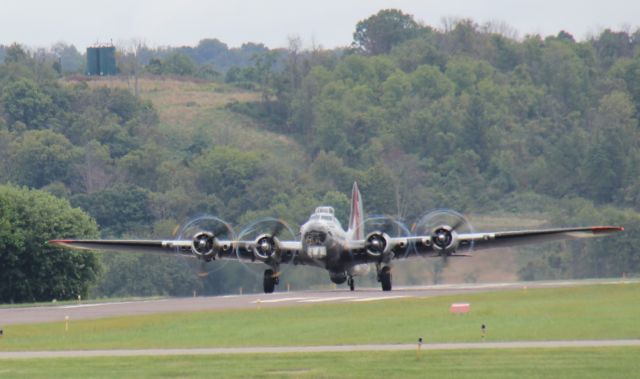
(527, 363)
(603, 311)
(179, 101)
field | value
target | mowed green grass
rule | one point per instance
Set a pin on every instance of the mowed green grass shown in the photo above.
(517, 363)
(605, 311)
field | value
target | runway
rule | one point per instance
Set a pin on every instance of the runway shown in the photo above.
(317, 349)
(95, 310)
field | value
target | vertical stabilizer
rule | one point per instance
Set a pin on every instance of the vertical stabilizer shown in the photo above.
(356, 219)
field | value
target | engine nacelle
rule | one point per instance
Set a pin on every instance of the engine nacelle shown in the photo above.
(376, 244)
(203, 244)
(265, 246)
(444, 239)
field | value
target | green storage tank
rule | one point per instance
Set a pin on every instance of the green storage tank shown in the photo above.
(92, 61)
(101, 60)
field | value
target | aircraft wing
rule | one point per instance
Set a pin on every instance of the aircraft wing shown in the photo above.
(493, 240)
(136, 246)
(482, 241)
(218, 249)
(446, 241)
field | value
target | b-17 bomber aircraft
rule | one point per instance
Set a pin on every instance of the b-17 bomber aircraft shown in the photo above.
(325, 244)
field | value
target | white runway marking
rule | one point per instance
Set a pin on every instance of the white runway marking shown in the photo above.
(281, 300)
(322, 299)
(463, 286)
(102, 304)
(81, 306)
(363, 299)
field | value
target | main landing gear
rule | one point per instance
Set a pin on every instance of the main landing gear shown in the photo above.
(271, 278)
(384, 277)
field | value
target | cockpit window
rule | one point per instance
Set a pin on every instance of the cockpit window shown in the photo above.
(329, 210)
(325, 214)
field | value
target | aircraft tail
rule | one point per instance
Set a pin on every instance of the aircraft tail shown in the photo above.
(356, 219)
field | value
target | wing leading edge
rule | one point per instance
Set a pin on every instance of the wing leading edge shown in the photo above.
(136, 246)
(425, 245)
(483, 241)
(232, 250)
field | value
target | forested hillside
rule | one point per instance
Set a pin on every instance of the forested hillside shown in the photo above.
(540, 129)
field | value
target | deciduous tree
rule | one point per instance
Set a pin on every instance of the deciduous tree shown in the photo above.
(31, 270)
(380, 32)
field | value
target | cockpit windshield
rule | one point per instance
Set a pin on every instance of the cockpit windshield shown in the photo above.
(328, 210)
(325, 214)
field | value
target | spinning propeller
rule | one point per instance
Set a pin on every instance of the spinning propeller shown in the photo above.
(379, 230)
(443, 227)
(262, 243)
(206, 234)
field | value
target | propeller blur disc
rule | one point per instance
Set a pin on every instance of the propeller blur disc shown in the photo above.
(430, 225)
(219, 228)
(391, 226)
(269, 226)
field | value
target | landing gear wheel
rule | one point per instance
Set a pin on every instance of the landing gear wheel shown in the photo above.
(352, 285)
(270, 281)
(385, 278)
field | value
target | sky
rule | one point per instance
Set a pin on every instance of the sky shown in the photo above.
(320, 23)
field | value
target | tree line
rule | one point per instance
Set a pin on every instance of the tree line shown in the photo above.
(466, 117)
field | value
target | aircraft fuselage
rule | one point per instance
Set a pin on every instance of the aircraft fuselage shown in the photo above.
(324, 245)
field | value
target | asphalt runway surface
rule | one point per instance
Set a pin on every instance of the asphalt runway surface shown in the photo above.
(316, 349)
(96, 310)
